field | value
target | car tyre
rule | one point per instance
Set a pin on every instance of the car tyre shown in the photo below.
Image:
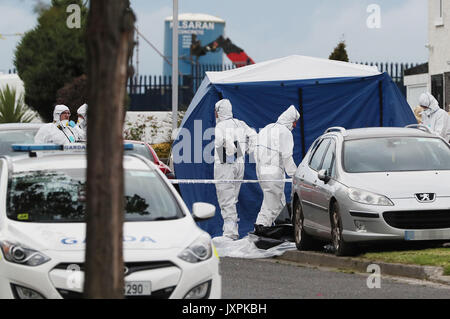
(303, 241)
(340, 246)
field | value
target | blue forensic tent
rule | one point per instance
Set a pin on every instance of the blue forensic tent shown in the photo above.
(327, 93)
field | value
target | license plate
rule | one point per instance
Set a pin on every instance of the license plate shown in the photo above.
(437, 234)
(138, 288)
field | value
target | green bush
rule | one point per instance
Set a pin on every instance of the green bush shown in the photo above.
(162, 149)
(340, 52)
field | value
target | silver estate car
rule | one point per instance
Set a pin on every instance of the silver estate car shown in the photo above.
(372, 184)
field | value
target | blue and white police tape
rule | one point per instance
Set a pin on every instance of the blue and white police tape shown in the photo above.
(222, 181)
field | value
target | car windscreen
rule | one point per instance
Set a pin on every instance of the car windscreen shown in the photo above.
(395, 154)
(52, 196)
(143, 150)
(7, 138)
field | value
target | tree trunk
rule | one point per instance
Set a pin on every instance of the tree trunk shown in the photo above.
(110, 34)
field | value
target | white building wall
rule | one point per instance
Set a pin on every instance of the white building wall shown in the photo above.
(416, 85)
(439, 36)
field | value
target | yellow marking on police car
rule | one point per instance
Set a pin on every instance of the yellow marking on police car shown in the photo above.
(22, 216)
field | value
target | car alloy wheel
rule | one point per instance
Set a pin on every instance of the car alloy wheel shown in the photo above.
(303, 241)
(340, 247)
(298, 226)
(336, 231)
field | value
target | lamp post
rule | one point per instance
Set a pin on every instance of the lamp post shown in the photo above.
(175, 67)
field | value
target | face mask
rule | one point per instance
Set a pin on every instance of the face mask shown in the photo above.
(81, 121)
(426, 112)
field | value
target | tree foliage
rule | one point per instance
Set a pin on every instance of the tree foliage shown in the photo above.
(339, 53)
(73, 94)
(12, 108)
(51, 55)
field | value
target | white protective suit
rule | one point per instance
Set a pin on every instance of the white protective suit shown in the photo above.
(80, 128)
(274, 151)
(58, 132)
(435, 118)
(232, 139)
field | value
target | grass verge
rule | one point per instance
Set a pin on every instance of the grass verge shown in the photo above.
(427, 257)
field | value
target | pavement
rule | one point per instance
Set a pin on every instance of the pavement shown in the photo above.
(317, 259)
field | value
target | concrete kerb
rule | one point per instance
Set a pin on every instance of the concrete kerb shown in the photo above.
(430, 273)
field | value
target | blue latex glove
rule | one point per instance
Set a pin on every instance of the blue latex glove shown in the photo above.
(72, 124)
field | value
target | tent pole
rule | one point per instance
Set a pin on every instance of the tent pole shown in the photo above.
(380, 90)
(302, 122)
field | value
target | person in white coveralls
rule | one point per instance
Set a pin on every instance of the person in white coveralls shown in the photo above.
(435, 118)
(80, 128)
(233, 138)
(59, 131)
(274, 150)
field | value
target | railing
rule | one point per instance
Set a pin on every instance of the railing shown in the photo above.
(395, 70)
(154, 93)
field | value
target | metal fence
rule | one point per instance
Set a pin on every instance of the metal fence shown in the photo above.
(395, 70)
(154, 93)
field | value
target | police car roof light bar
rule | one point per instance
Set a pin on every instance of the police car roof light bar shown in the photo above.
(56, 147)
(36, 147)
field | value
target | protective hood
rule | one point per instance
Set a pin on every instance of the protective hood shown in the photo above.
(224, 110)
(57, 112)
(288, 117)
(82, 110)
(428, 100)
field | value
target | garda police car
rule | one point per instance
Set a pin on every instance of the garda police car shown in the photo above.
(42, 230)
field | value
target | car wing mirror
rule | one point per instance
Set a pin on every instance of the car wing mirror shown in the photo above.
(323, 176)
(170, 175)
(203, 211)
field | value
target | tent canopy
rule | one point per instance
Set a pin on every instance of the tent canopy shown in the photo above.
(294, 67)
(326, 93)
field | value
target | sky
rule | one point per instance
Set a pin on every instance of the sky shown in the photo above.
(267, 29)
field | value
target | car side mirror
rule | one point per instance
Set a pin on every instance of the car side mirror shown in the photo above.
(203, 211)
(323, 176)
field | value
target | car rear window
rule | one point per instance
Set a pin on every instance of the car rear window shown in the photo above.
(52, 196)
(143, 150)
(395, 154)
